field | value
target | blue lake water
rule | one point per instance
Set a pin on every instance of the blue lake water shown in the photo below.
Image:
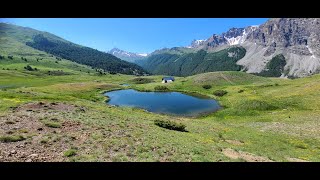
(173, 103)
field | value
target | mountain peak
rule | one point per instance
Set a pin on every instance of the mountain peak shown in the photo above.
(127, 56)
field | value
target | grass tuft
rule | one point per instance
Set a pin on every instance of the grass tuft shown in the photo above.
(70, 152)
(13, 138)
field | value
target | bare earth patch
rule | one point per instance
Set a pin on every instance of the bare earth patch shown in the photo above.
(41, 143)
(244, 155)
(296, 160)
(41, 105)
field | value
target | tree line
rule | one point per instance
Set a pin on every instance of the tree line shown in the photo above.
(84, 55)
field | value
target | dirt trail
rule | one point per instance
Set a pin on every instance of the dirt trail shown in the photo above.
(244, 155)
(296, 160)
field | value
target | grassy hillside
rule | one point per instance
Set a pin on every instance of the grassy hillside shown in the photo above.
(15, 38)
(15, 55)
(65, 118)
(185, 64)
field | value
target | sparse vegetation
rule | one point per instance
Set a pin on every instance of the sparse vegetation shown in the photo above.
(52, 124)
(70, 152)
(11, 138)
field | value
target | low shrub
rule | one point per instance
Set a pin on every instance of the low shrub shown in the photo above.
(161, 88)
(170, 125)
(241, 91)
(207, 86)
(220, 93)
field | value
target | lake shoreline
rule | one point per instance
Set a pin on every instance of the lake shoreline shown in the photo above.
(166, 105)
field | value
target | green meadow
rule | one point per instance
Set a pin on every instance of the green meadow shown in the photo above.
(262, 119)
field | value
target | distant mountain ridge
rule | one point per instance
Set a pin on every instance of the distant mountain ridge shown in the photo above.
(296, 39)
(127, 56)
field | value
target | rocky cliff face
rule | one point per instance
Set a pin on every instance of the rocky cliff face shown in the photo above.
(298, 39)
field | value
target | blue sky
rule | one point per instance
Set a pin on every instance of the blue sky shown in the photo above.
(140, 35)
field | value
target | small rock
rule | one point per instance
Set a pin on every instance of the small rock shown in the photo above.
(13, 152)
(20, 146)
(33, 155)
(40, 129)
(28, 160)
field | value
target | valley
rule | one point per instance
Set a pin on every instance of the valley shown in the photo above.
(53, 107)
(263, 119)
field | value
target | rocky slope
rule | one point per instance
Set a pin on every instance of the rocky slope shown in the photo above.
(297, 39)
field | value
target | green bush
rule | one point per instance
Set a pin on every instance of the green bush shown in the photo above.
(170, 125)
(14, 138)
(241, 91)
(70, 152)
(207, 86)
(220, 93)
(161, 88)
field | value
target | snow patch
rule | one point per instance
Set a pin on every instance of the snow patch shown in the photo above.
(143, 54)
(238, 39)
(310, 50)
(198, 42)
